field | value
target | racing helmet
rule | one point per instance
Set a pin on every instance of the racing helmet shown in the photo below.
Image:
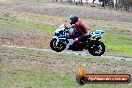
(73, 18)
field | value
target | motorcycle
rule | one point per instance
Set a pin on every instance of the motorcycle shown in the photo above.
(91, 42)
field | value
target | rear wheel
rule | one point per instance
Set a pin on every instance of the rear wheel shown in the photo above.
(96, 48)
(58, 47)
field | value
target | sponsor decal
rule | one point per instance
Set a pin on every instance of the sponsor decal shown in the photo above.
(83, 78)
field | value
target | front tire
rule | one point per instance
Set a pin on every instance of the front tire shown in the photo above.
(57, 47)
(96, 48)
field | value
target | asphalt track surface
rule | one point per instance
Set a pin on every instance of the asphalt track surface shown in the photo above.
(75, 53)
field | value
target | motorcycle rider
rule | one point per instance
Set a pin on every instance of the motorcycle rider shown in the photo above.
(80, 30)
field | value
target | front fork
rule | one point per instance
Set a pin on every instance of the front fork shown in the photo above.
(56, 39)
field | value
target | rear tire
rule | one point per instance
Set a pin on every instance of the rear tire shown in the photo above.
(96, 48)
(59, 47)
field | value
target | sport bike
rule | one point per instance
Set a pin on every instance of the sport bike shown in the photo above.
(92, 42)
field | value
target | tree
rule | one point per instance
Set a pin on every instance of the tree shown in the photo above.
(93, 1)
(54, 0)
(70, 1)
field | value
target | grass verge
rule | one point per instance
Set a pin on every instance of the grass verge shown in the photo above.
(16, 79)
(15, 72)
(28, 25)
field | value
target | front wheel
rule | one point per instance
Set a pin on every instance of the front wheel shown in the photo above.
(96, 48)
(58, 47)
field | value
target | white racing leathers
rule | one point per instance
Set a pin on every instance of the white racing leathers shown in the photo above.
(71, 41)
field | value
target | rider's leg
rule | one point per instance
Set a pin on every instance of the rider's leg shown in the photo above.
(80, 38)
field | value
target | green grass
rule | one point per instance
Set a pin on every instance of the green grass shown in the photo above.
(35, 79)
(118, 44)
(28, 25)
(118, 39)
(13, 77)
(27, 79)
